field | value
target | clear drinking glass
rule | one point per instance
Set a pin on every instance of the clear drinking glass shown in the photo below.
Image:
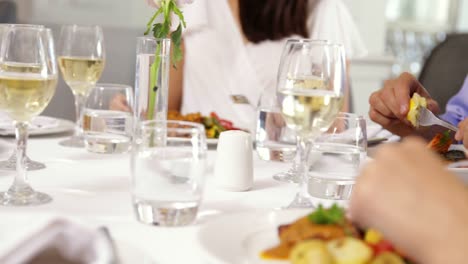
(336, 158)
(311, 87)
(108, 119)
(274, 140)
(28, 78)
(10, 163)
(168, 169)
(81, 58)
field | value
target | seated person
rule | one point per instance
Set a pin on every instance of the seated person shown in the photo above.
(419, 206)
(390, 105)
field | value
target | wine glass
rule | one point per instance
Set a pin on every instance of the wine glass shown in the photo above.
(310, 90)
(10, 163)
(274, 140)
(26, 88)
(81, 58)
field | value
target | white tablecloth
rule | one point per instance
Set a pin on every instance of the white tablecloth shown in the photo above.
(94, 189)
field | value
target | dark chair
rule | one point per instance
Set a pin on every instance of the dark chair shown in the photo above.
(7, 12)
(446, 68)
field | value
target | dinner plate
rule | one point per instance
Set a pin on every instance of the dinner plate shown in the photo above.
(212, 141)
(459, 168)
(60, 126)
(240, 237)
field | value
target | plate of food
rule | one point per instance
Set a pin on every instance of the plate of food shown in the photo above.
(296, 236)
(454, 155)
(214, 125)
(39, 126)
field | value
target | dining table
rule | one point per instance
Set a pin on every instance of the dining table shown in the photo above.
(95, 189)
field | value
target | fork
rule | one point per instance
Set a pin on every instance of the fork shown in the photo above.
(427, 118)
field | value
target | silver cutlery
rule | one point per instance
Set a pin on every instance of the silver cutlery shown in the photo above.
(427, 118)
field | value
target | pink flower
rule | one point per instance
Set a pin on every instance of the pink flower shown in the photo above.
(157, 3)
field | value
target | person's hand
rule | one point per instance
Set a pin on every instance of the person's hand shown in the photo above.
(390, 105)
(407, 194)
(119, 103)
(462, 133)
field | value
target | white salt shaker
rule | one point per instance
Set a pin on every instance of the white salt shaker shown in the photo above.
(233, 169)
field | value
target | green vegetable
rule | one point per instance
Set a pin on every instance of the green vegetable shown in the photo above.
(330, 216)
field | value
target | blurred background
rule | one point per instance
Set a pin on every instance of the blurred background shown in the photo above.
(400, 36)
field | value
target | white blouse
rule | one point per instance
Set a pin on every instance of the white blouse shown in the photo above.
(218, 63)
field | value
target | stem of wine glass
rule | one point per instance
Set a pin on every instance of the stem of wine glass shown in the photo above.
(20, 184)
(302, 199)
(79, 104)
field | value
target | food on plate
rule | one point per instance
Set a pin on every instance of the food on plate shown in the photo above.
(327, 236)
(214, 125)
(416, 103)
(441, 144)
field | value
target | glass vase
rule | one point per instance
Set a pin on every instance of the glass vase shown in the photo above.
(152, 79)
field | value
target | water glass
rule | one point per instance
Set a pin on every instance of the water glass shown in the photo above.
(168, 167)
(336, 158)
(107, 119)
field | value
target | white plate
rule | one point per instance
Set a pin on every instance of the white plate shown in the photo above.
(239, 238)
(61, 127)
(212, 141)
(462, 173)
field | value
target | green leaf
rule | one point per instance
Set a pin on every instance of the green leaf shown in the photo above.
(150, 22)
(333, 215)
(180, 15)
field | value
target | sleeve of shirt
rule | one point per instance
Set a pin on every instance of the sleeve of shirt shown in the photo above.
(331, 20)
(457, 107)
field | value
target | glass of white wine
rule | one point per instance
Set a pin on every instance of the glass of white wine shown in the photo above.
(81, 58)
(311, 87)
(10, 163)
(24, 94)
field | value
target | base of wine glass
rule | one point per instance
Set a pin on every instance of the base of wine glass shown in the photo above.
(10, 164)
(290, 176)
(73, 142)
(301, 202)
(24, 197)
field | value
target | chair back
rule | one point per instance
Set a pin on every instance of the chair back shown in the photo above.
(446, 68)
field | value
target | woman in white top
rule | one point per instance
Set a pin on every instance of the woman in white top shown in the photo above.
(234, 47)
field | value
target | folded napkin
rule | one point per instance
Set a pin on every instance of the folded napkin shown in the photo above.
(39, 122)
(56, 240)
(377, 131)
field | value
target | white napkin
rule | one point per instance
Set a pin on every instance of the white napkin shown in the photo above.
(39, 122)
(376, 131)
(71, 241)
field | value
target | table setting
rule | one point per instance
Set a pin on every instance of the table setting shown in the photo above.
(132, 182)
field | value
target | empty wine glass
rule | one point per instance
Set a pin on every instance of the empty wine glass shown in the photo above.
(81, 61)
(311, 87)
(28, 78)
(274, 140)
(10, 163)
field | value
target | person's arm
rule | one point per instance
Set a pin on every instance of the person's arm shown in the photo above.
(176, 83)
(408, 194)
(457, 107)
(390, 105)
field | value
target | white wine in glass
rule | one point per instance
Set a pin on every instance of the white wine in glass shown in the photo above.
(81, 61)
(311, 86)
(10, 163)
(80, 73)
(25, 92)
